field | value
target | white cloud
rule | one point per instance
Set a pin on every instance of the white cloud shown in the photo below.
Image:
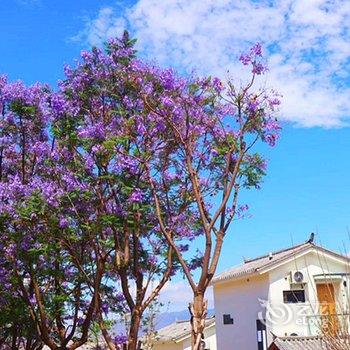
(307, 41)
(175, 295)
(179, 294)
(104, 26)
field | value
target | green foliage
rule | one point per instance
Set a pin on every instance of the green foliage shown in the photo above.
(253, 171)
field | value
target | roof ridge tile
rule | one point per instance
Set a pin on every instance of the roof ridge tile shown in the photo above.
(278, 252)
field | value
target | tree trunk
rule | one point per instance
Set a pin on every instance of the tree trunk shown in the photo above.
(134, 330)
(198, 310)
(14, 337)
(108, 339)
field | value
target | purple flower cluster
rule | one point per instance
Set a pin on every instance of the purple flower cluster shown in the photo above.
(136, 196)
(123, 156)
(253, 58)
(120, 339)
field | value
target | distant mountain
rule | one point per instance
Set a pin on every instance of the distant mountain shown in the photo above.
(166, 318)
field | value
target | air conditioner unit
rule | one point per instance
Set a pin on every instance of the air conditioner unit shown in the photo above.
(297, 277)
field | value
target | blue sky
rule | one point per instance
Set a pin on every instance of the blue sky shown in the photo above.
(307, 188)
(36, 37)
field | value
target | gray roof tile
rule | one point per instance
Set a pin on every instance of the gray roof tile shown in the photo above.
(178, 330)
(253, 266)
(309, 343)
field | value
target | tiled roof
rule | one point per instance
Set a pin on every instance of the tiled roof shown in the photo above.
(178, 330)
(308, 343)
(297, 343)
(254, 266)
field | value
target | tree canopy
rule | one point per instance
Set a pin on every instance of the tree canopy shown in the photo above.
(107, 184)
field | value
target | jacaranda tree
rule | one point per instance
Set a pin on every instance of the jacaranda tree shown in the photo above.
(167, 157)
(99, 123)
(110, 185)
(50, 267)
(17, 329)
(211, 128)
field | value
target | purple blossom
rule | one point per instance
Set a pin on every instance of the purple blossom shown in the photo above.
(272, 125)
(153, 260)
(105, 307)
(259, 68)
(242, 211)
(254, 58)
(89, 163)
(80, 321)
(140, 127)
(271, 139)
(245, 59)
(204, 182)
(4, 141)
(136, 196)
(32, 300)
(86, 55)
(127, 164)
(120, 339)
(93, 131)
(167, 102)
(119, 297)
(253, 106)
(127, 101)
(63, 223)
(256, 50)
(218, 85)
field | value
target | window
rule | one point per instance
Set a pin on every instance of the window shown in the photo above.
(227, 319)
(294, 296)
(261, 334)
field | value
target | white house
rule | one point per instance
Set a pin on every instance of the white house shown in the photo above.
(177, 336)
(290, 296)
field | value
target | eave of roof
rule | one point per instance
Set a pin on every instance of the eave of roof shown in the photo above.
(263, 264)
(180, 339)
(307, 343)
(173, 333)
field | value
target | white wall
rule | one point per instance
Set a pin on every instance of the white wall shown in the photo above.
(167, 346)
(297, 318)
(240, 299)
(209, 338)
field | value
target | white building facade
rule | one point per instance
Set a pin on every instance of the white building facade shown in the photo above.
(301, 291)
(177, 336)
